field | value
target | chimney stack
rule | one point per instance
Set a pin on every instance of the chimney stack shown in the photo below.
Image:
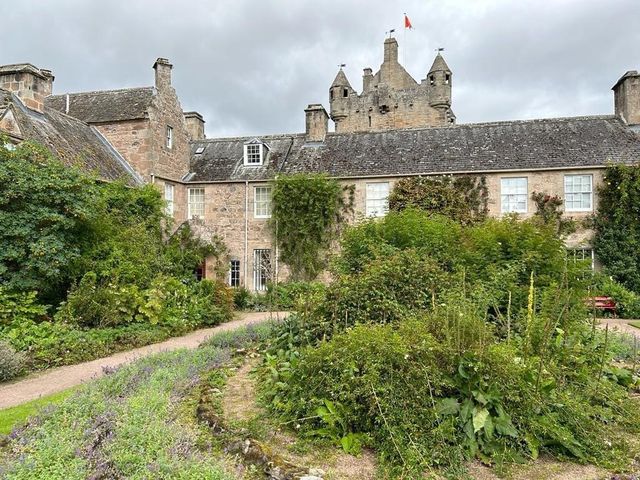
(317, 121)
(31, 84)
(367, 77)
(163, 73)
(626, 94)
(195, 125)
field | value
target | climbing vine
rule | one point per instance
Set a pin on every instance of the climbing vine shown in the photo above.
(617, 224)
(307, 215)
(462, 198)
(549, 212)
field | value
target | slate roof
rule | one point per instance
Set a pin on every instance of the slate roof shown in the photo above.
(515, 145)
(72, 141)
(105, 105)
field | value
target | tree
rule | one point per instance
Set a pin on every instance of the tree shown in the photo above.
(44, 207)
(617, 224)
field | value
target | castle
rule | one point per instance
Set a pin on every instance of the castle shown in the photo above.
(395, 128)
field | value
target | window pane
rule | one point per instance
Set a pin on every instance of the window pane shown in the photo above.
(261, 268)
(196, 203)
(253, 154)
(513, 194)
(168, 197)
(377, 199)
(234, 273)
(578, 190)
(262, 202)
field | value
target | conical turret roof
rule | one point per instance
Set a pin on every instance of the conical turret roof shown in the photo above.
(439, 65)
(341, 80)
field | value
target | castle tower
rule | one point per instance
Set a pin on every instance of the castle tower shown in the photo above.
(439, 80)
(391, 98)
(339, 97)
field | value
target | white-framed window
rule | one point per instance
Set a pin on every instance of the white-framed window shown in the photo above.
(578, 193)
(169, 137)
(377, 199)
(196, 203)
(262, 202)
(234, 273)
(168, 197)
(580, 254)
(514, 192)
(253, 153)
(261, 268)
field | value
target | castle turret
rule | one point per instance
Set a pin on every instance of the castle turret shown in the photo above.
(627, 97)
(339, 94)
(439, 80)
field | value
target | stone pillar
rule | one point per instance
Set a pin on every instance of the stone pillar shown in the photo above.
(390, 50)
(367, 77)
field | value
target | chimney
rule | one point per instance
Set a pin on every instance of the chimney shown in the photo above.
(31, 84)
(626, 95)
(195, 125)
(367, 77)
(390, 50)
(163, 73)
(316, 122)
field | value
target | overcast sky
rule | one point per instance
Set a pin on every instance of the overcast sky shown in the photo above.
(251, 66)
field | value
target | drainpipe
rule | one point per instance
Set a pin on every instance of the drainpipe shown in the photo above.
(246, 230)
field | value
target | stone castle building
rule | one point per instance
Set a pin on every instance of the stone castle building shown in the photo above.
(395, 128)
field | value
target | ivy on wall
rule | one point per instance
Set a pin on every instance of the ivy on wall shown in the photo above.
(617, 224)
(307, 213)
(549, 212)
(462, 198)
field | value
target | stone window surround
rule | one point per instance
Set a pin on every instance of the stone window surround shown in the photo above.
(583, 192)
(375, 204)
(512, 194)
(234, 273)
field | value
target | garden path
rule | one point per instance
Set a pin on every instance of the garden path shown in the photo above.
(622, 326)
(57, 379)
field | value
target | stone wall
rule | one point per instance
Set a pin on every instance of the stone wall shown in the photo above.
(133, 140)
(225, 213)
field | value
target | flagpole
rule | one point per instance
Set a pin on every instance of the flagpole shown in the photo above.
(404, 40)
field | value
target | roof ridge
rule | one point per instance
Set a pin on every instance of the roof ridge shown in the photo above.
(274, 136)
(117, 90)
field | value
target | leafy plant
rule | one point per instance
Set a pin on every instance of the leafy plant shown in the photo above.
(308, 211)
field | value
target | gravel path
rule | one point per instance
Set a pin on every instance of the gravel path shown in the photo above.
(622, 326)
(61, 378)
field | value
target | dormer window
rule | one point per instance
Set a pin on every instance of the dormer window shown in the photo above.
(253, 154)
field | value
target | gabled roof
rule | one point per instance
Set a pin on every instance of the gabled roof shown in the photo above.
(69, 139)
(516, 145)
(105, 105)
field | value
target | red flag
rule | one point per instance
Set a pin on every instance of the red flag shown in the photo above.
(407, 22)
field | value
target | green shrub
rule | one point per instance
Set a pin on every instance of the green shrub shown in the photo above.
(241, 298)
(11, 362)
(627, 302)
(291, 295)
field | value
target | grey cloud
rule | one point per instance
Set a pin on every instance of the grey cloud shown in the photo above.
(250, 66)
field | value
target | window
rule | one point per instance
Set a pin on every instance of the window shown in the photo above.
(196, 203)
(261, 268)
(447, 79)
(199, 150)
(234, 273)
(578, 193)
(169, 137)
(513, 194)
(253, 154)
(345, 92)
(377, 199)
(331, 94)
(262, 202)
(168, 197)
(580, 254)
